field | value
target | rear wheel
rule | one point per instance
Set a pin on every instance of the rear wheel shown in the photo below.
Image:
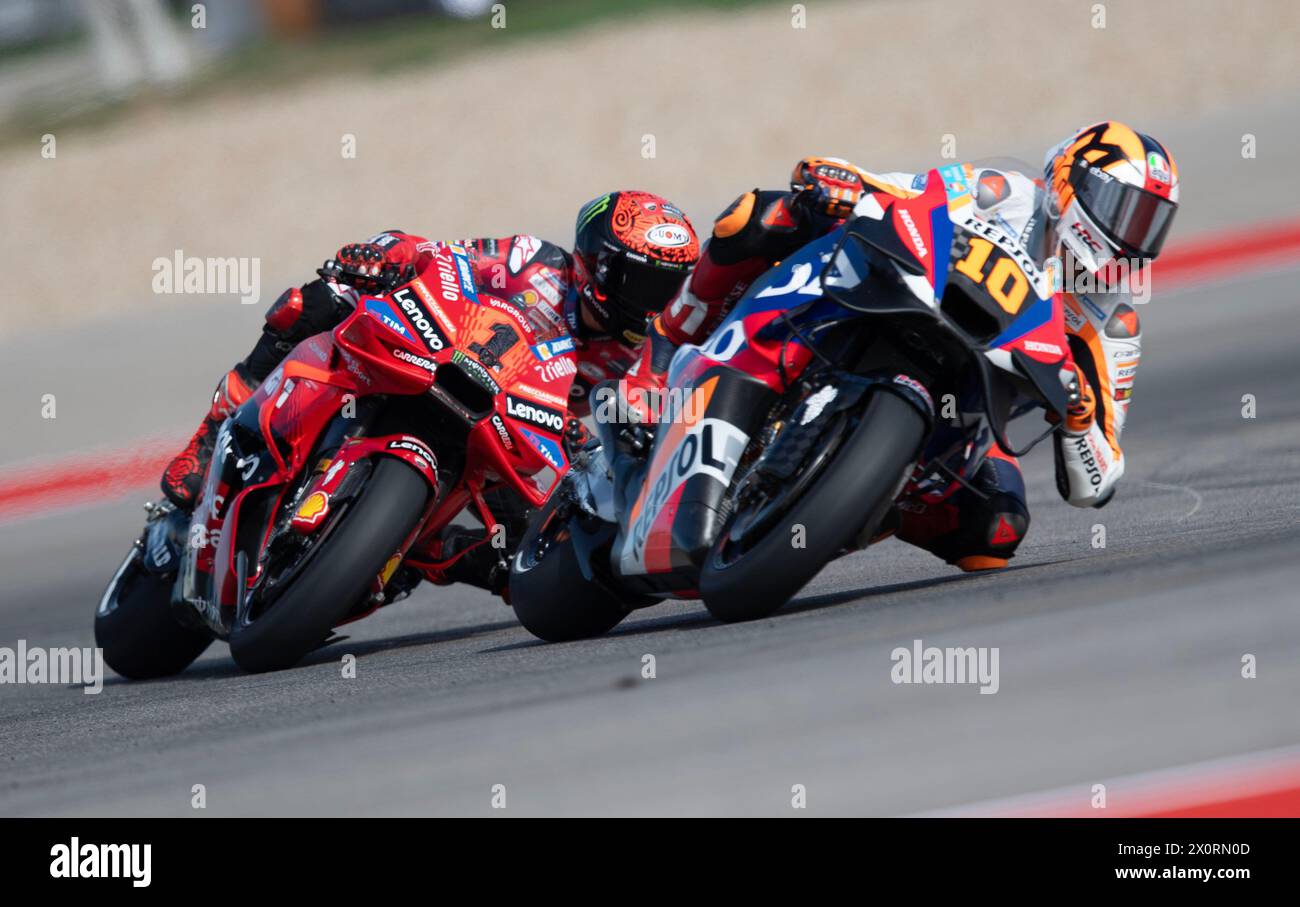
(550, 595)
(755, 566)
(137, 629)
(335, 574)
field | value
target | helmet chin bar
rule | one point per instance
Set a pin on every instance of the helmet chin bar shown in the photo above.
(1083, 239)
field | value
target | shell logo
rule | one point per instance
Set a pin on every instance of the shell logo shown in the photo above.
(389, 569)
(313, 509)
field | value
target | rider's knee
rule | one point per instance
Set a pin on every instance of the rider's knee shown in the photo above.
(983, 534)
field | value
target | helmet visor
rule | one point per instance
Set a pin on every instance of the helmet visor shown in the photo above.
(1134, 219)
(640, 290)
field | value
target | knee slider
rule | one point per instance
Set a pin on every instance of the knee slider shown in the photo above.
(1123, 322)
(1003, 522)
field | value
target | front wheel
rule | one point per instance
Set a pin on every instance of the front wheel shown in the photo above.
(749, 578)
(551, 596)
(137, 629)
(337, 572)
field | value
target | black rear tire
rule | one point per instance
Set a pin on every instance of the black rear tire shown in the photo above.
(550, 595)
(139, 633)
(338, 574)
(853, 491)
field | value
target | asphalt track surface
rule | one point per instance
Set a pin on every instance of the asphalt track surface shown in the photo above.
(1113, 661)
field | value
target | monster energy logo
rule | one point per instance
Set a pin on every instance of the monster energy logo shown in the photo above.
(475, 371)
(591, 209)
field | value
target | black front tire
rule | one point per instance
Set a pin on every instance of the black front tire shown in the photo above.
(139, 633)
(853, 491)
(550, 595)
(338, 574)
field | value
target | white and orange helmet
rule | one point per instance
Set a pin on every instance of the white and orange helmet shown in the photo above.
(1112, 193)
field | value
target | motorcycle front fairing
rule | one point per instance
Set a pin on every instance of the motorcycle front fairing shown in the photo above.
(1022, 360)
(718, 394)
(262, 447)
(674, 518)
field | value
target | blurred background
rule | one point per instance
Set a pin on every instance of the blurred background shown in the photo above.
(277, 130)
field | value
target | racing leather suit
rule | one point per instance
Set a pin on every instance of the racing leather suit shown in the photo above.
(974, 529)
(531, 273)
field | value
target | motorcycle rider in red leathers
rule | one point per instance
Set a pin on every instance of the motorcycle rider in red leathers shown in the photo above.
(1107, 193)
(632, 254)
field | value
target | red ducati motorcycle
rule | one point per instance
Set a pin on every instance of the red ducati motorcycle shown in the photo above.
(330, 488)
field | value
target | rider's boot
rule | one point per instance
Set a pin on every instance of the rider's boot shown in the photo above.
(485, 554)
(479, 563)
(977, 529)
(183, 478)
